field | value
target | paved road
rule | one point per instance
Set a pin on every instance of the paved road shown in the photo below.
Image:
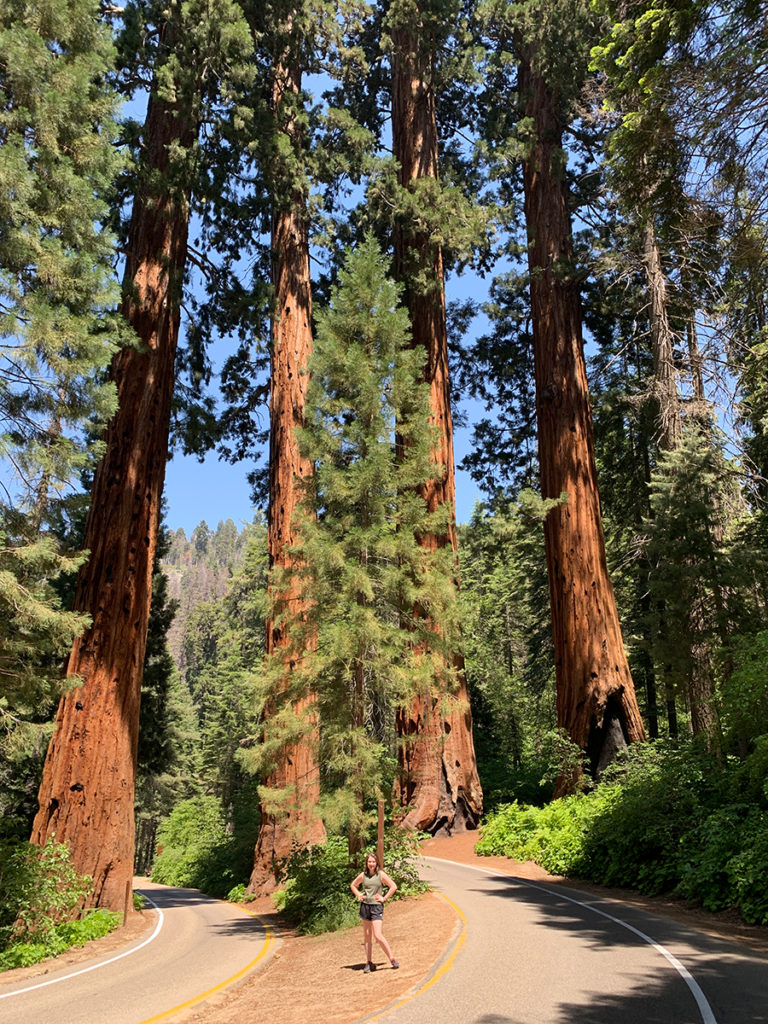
(202, 943)
(543, 955)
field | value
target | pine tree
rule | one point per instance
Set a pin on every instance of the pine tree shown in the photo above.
(508, 644)
(374, 594)
(58, 330)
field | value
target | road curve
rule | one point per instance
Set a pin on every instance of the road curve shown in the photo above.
(202, 944)
(533, 953)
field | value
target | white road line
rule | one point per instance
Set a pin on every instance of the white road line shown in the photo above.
(94, 967)
(705, 1009)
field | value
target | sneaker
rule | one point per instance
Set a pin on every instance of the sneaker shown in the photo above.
(394, 963)
(368, 967)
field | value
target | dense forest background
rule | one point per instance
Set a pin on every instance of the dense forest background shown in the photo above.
(284, 213)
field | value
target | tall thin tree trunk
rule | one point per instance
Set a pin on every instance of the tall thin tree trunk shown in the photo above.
(292, 346)
(596, 700)
(701, 682)
(439, 785)
(670, 425)
(87, 791)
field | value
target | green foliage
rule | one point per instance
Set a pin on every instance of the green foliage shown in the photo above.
(39, 889)
(58, 330)
(667, 819)
(203, 847)
(93, 925)
(401, 853)
(237, 894)
(744, 703)
(706, 572)
(508, 647)
(316, 892)
(381, 606)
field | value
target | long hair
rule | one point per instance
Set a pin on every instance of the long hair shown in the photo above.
(370, 874)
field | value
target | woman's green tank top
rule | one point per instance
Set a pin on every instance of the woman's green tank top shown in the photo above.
(372, 887)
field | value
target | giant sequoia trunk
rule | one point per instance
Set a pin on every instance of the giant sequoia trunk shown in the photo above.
(596, 700)
(87, 790)
(292, 345)
(439, 785)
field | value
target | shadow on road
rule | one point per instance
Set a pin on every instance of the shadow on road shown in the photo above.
(734, 979)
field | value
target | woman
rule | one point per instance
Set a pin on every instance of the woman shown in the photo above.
(372, 881)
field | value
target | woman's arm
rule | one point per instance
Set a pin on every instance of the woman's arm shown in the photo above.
(392, 888)
(354, 884)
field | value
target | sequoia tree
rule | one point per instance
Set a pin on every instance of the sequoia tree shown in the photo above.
(292, 784)
(87, 791)
(596, 702)
(439, 785)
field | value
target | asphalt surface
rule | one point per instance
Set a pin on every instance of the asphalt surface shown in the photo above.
(531, 954)
(202, 942)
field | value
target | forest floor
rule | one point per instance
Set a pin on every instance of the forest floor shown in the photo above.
(321, 978)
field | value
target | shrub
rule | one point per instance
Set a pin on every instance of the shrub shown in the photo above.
(92, 925)
(237, 894)
(666, 818)
(316, 891)
(40, 892)
(39, 889)
(748, 869)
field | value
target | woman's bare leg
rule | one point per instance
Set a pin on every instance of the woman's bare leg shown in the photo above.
(368, 940)
(377, 926)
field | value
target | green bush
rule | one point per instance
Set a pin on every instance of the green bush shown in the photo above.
(402, 850)
(39, 889)
(748, 870)
(40, 892)
(316, 893)
(237, 894)
(201, 849)
(92, 925)
(666, 818)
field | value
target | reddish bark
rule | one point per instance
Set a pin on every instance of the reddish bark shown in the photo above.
(596, 700)
(439, 784)
(292, 345)
(87, 791)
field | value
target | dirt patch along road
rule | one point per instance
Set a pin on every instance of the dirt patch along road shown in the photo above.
(321, 980)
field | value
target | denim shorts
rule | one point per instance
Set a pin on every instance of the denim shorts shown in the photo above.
(372, 911)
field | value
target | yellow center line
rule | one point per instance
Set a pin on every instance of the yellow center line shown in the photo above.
(443, 969)
(222, 985)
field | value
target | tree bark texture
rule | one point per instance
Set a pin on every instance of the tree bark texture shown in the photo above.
(596, 702)
(439, 785)
(292, 346)
(87, 791)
